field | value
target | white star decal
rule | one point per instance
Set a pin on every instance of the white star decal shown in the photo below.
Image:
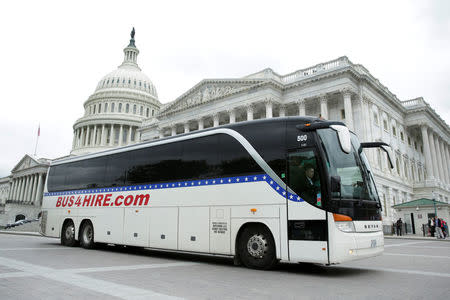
(278, 188)
(237, 180)
(264, 177)
(246, 178)
(229, 180)
(271, 182)
(284, 193)
(290, 197)
(254, 178)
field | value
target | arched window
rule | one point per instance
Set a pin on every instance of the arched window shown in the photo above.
(106, 107)
(146, 114)
(112, 107)
(142, 110)
(99, 108)
(127, 108)
(153, 112)
(120, 107)
(134, 109)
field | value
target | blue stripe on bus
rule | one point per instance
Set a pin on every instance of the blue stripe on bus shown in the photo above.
(191, 183)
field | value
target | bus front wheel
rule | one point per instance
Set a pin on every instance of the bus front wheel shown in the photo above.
(87, 236)
(68, 234)
(257, 248)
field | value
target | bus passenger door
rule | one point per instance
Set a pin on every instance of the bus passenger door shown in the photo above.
(307, 223)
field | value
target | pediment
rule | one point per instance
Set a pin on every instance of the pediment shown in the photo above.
(208, 90)
(25, 163)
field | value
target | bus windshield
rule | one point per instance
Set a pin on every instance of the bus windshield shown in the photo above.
(356, 180)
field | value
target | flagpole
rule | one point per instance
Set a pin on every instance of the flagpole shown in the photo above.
(37, 140)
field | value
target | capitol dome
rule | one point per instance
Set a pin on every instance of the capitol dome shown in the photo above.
(114, 112)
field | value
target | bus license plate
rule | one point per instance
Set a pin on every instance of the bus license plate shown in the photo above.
(373, 243)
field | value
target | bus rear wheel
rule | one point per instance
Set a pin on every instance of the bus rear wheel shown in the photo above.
(68, 234)
(257, 248)
(87, 236)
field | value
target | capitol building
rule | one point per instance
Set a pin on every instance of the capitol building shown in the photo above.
(124, 109)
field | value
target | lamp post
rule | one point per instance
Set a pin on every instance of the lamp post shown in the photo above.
(434, 204)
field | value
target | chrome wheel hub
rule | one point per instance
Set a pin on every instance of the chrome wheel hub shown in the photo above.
(70, 232)
(257, 246)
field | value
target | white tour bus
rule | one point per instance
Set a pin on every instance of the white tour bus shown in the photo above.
(295, 189)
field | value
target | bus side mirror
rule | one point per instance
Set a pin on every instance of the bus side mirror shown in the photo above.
(335, 184)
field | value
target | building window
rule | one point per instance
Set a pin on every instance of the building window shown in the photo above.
(106, 107)
(142, 110)
(129, 81)
(342, 114)
(394, 132)
(123, 81)
(99, 107)
(402, 136)
(127, 108)
(134, 109)
(415, 145)
(385, 126)
(421, 149)
(95, 106)
(112, 107)
(120, 107)
(375, 118)
(385, 207)
(406, 170)
(117, 80)
(409, 141)
(147, 112)
(397, 165)
(153, 112)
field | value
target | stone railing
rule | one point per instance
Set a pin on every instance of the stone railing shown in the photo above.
(414, 102)
(334, 64)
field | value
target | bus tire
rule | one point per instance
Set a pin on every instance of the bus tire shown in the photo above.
(68, 234)
(87, 236)
(257, 248)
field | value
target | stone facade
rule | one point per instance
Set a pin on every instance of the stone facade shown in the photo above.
(22, 191)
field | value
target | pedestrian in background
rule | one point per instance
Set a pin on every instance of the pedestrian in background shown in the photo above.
(399, 226)
(437, 225)
(432, 226)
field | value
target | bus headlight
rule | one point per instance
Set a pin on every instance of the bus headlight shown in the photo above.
(346, 226)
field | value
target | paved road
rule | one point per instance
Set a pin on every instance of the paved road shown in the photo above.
(39, 268)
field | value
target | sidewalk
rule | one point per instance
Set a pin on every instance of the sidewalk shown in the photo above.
(415, 237)
(20, 232)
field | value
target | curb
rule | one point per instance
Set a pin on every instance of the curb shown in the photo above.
(20, 233)
(417, 238)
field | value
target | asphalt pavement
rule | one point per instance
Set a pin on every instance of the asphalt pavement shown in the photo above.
(34, 267)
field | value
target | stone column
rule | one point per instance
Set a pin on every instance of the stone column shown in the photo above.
(444, 161)
(324, 107)
(438, 157)
(27, 189)
(232, 114)
(130, 129)
(447, 164)
(11, 190)
(121, 135)
(174, 130)
(103, 136)
(88, 137)
(19, 188)
(433, 155)
(30, 189)
(111, 135)
(301, 107)
(33, 188)
(282, 110)
(216, 119)
(441, 159)
(94, 142)
(137, 136)
(186, 127)
(249, 112)
(348, 109)
(39, 192)
(82, 138)
(269, 108)
(427, 151)
(201, 124)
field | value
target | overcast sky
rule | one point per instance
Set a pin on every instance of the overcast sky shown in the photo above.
(54, 53)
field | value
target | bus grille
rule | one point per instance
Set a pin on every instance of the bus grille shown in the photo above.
(44, 221)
